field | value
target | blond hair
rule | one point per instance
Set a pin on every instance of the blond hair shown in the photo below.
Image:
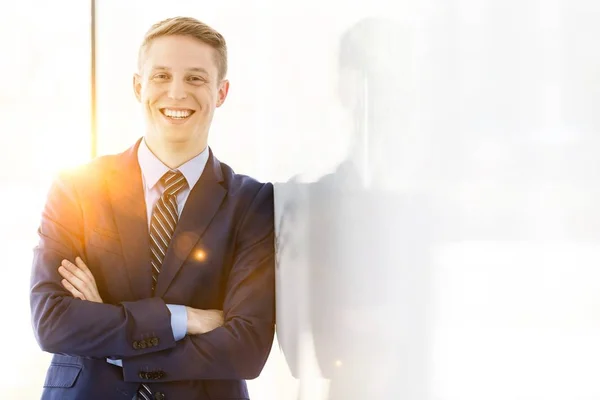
(191, 27)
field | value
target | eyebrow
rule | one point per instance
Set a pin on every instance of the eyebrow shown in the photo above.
(194, 69)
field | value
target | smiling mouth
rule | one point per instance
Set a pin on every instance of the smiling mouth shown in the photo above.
(176, 114)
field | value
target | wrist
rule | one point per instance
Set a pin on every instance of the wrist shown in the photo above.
(194, 322)
(188, 312)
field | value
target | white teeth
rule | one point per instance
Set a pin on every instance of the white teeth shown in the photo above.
(177, 113)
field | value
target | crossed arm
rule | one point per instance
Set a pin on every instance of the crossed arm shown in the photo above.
(80, 282)
(237, 348)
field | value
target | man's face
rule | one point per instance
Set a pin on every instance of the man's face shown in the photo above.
(179, 88)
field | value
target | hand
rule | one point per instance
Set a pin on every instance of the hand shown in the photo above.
(203, 321)
(79, 280)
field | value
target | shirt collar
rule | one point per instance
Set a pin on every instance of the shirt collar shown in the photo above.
(153, 169)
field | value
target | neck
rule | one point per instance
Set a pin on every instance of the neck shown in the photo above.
(174, 154)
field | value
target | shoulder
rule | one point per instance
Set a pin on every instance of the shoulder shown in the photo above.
(88, 174)
(251, 197)
(244, 186)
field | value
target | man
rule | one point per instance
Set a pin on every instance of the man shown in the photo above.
(154, 274)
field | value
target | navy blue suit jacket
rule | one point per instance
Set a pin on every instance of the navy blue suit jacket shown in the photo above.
(221, 257)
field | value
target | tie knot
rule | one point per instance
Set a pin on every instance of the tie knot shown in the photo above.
(173, 182)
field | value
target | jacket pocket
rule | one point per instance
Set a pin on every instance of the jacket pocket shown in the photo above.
(62, 375)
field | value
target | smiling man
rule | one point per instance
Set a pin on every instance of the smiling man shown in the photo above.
(154, 273)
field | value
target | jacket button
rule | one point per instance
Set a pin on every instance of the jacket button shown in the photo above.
(154, 341)
(136, 345)
(142, 344)
(159, 396)
(143, 375)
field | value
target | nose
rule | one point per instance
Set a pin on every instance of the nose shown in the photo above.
(176, 90)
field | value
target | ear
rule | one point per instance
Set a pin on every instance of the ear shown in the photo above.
(222, 94)
(137, 86)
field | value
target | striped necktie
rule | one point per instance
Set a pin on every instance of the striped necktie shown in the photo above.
(164, 219)
(162, 225)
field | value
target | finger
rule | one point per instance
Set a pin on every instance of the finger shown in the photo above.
(76, 271)
(79, 262)
(76, 293)
(92, 294)
(75, 281)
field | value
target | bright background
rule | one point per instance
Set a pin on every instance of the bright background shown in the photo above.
(507, 109)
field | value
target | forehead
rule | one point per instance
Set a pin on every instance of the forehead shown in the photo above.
(179, 53)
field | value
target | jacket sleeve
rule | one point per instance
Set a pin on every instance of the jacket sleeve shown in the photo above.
(66, 325)
(238, 349)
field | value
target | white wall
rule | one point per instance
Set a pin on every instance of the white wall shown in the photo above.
(44, 126)
(465, 267)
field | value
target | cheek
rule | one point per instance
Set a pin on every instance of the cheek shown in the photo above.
(148, 109)
(206, 99)
(149, 95)
(146, 104)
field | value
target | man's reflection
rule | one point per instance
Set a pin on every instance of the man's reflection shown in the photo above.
(365, 234)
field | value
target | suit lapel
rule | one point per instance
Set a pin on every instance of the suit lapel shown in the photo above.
(200, 208)
(129, 209)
